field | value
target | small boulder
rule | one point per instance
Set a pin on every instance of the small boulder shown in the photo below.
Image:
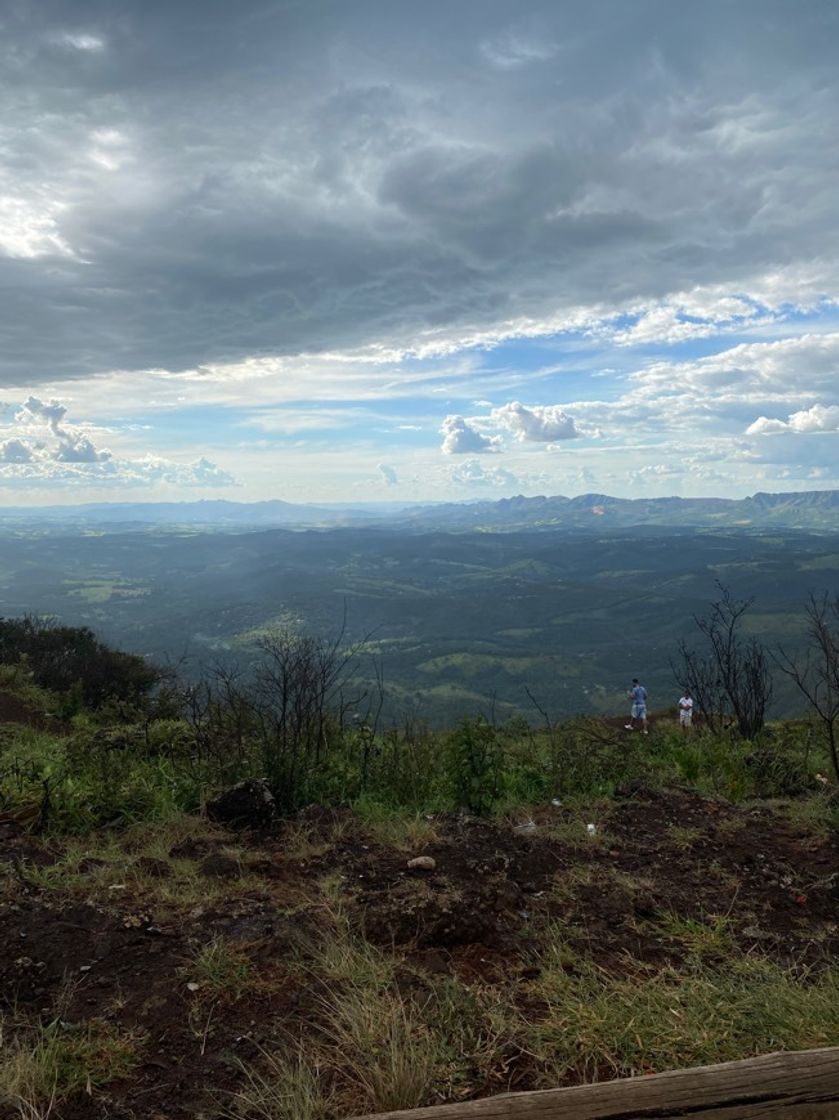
(422, 863)
(248, 804)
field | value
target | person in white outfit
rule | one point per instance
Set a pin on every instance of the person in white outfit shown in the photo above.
(686, 711)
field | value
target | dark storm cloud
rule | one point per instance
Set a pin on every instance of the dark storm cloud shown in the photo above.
(194, 183)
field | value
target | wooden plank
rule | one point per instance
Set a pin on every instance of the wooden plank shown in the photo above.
(827, 1110)
(802, 1085)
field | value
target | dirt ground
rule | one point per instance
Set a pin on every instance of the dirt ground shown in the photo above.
(119, 955)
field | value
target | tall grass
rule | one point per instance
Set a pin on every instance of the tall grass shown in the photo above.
(384, 1050)
(41, 1065)
(280, 1088)
(598, 1025)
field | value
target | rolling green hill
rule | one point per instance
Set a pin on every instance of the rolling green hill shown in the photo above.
(458, 621)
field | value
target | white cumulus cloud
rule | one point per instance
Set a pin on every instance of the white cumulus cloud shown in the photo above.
(51, 452)
(474, 473)
(73, 446)
(539, 424)
(818, 418)
(15, 451)
(764, 425)
(460, 437)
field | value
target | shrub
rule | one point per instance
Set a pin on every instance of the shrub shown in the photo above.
(71, 660)
(474, 761)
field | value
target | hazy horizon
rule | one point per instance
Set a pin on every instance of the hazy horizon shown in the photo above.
(394, 502)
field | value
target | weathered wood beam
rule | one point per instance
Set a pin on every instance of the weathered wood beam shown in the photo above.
(802, 1085)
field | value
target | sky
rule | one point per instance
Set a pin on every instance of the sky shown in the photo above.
(341, 252)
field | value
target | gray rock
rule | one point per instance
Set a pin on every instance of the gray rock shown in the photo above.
(248, 804)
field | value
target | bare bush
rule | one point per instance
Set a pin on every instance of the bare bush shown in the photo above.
(278, 718)
(815, 671)
(730, 681)
(296, 704)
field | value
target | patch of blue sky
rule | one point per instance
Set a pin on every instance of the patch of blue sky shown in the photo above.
(558, 363)
(681, 350)
(825, 312)
(552, 369)
(316, 424)
(187, 421)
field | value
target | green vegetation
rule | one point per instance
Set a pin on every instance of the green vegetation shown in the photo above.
(475, 765)
(168, 751)
(41, 1065)
(281, 1089)
(585, 911)
(73, 662)
(456, 618)
(597, 1022)
(218, 968)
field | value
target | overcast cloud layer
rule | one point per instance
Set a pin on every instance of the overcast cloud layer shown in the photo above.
(332, 250)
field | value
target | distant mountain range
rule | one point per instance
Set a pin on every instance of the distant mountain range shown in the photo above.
(812, 509)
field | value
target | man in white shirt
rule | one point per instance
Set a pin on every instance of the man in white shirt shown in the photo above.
(686, 711)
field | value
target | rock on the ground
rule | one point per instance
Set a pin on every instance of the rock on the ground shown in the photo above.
(248, 804)
(422, 863)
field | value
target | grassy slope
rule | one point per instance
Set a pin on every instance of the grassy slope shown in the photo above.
(162, 966)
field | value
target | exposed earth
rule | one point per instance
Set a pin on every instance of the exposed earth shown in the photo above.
(106, 932)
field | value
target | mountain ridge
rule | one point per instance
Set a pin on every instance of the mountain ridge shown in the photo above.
(807, 509)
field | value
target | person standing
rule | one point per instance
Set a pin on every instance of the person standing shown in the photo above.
(686, 712)
(638, 696)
